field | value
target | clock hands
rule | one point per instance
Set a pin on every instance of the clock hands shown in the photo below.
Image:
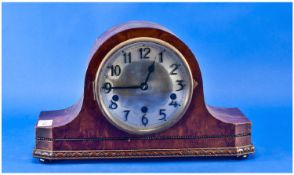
(126, 87)
(143, 86)
(151, 68)
(108, 87)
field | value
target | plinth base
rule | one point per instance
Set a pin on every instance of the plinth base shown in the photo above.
(143, 153)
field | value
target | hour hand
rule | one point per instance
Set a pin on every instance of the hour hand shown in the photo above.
(150, 70)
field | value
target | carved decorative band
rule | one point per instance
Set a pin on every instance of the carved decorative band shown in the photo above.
(146, 153)
(144, 138)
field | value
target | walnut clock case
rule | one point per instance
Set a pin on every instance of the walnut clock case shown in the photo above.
(143, 97)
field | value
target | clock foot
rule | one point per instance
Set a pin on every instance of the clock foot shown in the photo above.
(44, 160)
(245, 156)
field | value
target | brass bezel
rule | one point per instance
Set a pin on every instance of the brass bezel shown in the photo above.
(132, 130)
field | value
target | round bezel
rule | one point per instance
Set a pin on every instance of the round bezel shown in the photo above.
(119, 124)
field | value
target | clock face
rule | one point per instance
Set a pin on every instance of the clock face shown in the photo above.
(143, 86)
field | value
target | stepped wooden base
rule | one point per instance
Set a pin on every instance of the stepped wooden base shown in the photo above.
(146, 153)
(83, 132)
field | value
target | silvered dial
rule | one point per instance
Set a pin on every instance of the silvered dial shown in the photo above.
(143, 86)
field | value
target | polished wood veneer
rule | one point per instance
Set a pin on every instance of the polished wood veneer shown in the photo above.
(82, 132)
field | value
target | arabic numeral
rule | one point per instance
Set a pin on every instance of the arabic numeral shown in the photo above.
(144, 52)
(174, 68)
(181, 84)
(126, 114)
(144, 120)
(127, 57)
(114, 70)
(113, 104)
(163, 114)
(173, 102)
(161, 57)
(107, 87)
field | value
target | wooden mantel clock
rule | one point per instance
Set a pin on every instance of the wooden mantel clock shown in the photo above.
(143, 98)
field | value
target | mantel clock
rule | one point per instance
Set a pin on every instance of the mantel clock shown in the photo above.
(143, 98)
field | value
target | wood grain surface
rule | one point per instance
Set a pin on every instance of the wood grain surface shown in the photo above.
(83, 127)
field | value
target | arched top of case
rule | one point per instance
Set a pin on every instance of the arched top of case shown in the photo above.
(135, 29)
